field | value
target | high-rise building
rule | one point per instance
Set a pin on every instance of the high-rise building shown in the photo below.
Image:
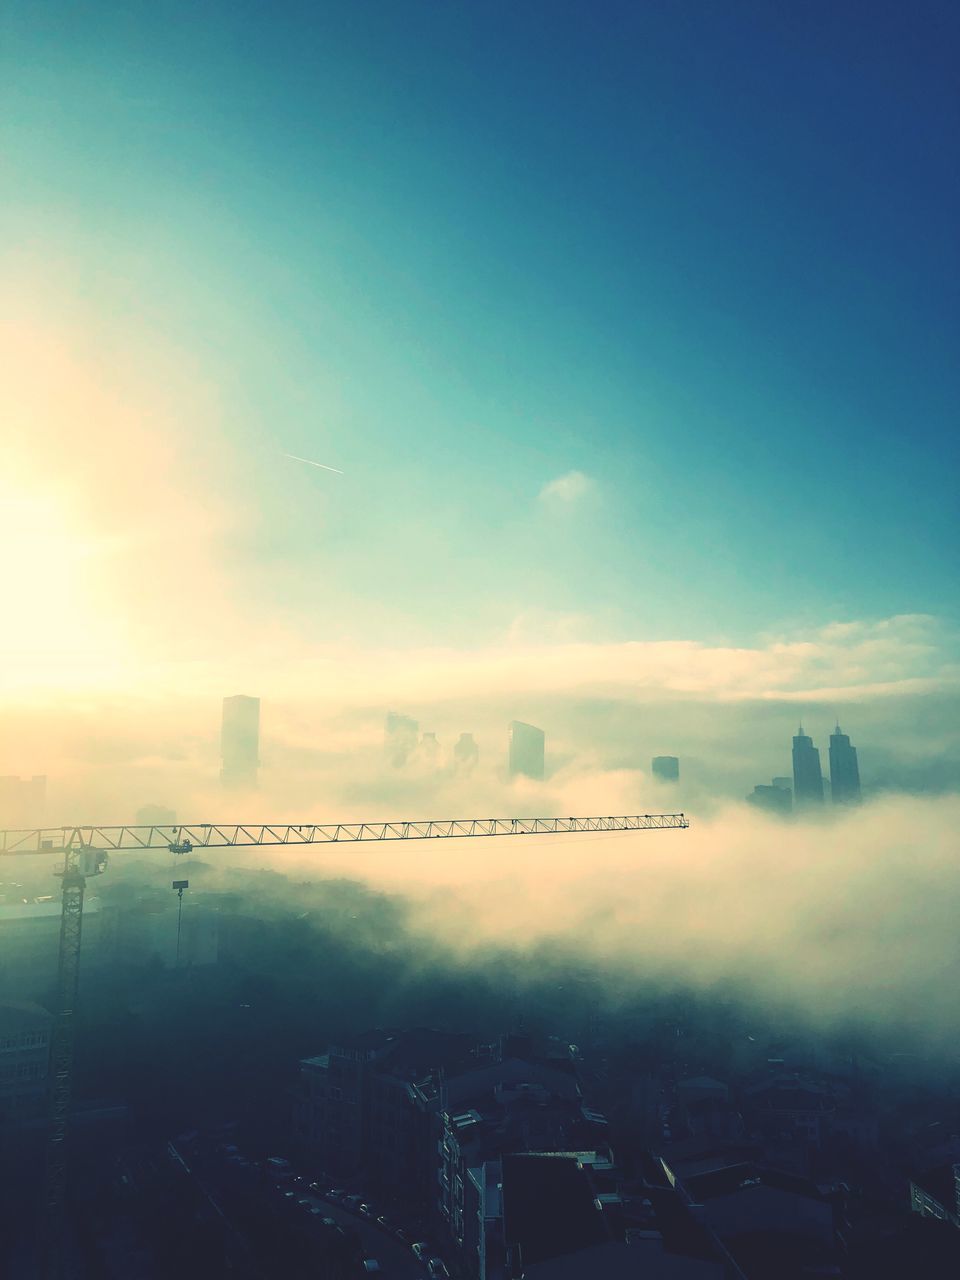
(526, 750)
(666, 768)
(466, 753)
(785, 784)
(400, 737)
(844, 770)
(22, 801)
(430, 750)
(807, 777)
(240, 742)
(772, 799)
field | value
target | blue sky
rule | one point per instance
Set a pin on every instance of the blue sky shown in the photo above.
(703, 255)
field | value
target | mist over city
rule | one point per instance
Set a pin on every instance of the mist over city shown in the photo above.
(480, 663)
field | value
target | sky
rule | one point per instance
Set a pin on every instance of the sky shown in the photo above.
(632, 328)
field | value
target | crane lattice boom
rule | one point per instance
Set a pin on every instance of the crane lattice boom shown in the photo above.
(205, 835)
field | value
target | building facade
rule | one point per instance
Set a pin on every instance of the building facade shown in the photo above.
(526, 752)
(24, 1061)
(844, 769)
(807, 775)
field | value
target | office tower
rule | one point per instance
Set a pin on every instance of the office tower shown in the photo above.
(785, 784)
(807, 778)
(430, 750)
(772, 799)
(844, 770)
(240, 742)
(22, 801)
(155, 815)
(526, 750)
(666, 768)
(466, 753)
(400, 737)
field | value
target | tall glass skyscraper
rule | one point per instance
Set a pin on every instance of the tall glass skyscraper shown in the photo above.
(844, 770)
(807, 777)
(240, 742)
(526, 750)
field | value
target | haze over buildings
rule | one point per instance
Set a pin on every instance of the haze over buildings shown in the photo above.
(240, 742)
(22, 801)
(666, 768)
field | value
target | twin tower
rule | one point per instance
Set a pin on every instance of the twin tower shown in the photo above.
(808, 787)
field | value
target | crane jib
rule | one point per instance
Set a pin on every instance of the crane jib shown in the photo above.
(184, 838)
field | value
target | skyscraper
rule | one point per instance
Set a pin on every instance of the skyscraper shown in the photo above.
(526, 751)
(844, 770)
(466, 753)
(240, 742)
(666, 768)
(807, 778)
(400, 737)
(771, 799)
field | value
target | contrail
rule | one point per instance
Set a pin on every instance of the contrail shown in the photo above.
(310, 463)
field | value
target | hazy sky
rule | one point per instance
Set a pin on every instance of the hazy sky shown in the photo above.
(633, 328)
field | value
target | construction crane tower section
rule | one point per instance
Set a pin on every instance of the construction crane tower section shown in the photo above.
(205, 835)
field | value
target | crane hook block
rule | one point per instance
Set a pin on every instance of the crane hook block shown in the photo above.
(181, 846)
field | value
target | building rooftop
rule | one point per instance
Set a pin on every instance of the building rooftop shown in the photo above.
(614, 1260)
(548, 1208)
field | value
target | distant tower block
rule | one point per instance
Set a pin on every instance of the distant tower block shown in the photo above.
(430, 750)
(466, 753)
(773, 799)
(807, 778)
(844, 769)
(785, 784)
(240, 742)
(666, 768)
(400, 737)
(526, 750)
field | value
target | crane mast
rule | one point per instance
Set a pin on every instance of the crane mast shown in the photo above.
(85, 850)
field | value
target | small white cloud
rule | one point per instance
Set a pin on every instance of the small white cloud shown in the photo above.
(567, 488)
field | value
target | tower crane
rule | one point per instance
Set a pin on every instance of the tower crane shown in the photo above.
(85, 850)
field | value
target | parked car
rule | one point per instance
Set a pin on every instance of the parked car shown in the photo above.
(335, 1195)
(402, 1236)
(365, 1211)
(382, 1222)
(371, 1266)
(436, 1269)
(421, 1251)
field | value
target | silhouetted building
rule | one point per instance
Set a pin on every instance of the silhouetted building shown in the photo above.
(666, 768)
(155, 815)
(466, 753)
(526, 751)
(400, 736)
(430, 750)
(785, 784)
(22, 801)
(240, 741)
(807, 777)
(844, 770)
(771, 800)
(24, 1060)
